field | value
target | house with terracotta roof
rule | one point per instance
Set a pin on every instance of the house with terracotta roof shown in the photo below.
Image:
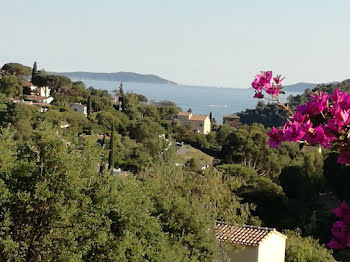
(231, 120)
(250, 243)
(199, 123)
(39, 94)
(78, 107)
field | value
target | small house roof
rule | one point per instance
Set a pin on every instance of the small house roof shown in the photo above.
(231, 116)
(35, 98)
(198, 118)
(184, 113)
(77, 104)
(243, 235)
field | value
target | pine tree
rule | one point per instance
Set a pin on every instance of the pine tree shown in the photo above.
(111, 149)
(89, 106)
(103, 145)
(35, 70)
(121, 91)
(211, 117)
(121, 96)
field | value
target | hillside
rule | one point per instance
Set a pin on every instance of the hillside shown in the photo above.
(119, 76)
(299, 87)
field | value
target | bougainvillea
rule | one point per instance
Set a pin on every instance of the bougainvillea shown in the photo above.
(323, 120)
(340, 229)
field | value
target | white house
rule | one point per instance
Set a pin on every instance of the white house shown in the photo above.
(250, 243)
(40, 91)
(78, 107)
(39, 94)
(199, 123)
(39, 99)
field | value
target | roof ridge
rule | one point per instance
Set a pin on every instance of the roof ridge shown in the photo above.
(248, 226)
(247, 235)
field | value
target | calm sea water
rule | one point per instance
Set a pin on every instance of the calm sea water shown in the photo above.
(201, 99)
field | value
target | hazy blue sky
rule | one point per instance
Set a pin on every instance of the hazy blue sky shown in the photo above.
(206, 42)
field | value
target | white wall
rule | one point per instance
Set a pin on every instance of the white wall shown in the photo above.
(244, 254)
(272, 249)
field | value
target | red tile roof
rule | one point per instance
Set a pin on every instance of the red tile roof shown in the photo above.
(232, 116)
(198, 118)
(184, 113)
(242, 235)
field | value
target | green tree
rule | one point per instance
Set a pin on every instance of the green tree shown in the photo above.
(111, 160)
(35, 70)
(89, 106)
(305, 249)
(55, 206)
(17, 69)
(11, 86)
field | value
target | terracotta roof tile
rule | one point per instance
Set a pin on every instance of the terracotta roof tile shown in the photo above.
(184, 113)
(241, 235)
(232, 116)
(198, 118)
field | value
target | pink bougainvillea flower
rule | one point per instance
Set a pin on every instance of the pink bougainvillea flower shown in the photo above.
(272, 90)
(315, 135)
(293, 131)
(336, 244)
(344, 158)
(335, 124)
(275, 137)
(339, 230)
(345, 104)
(319, 103)
(266, 77)
(256, 84)
(302, 109)
(278, 80)
(343, 211)
(300, 117)
(337, 97)
(258, 95)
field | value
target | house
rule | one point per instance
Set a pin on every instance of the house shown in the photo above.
(117, 102)
(39, 94)
(39, 99)
(231, 120)
(199, 123)
(250, 243)
(78, 107)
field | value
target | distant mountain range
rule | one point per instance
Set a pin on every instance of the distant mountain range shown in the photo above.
(119, 76)
(299, 87)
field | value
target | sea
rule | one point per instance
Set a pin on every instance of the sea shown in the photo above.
(201, 99)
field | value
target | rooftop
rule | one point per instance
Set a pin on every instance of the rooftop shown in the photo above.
(184, 113)
(231, 116)
(242, 235)
(198, 118)
(78, 104)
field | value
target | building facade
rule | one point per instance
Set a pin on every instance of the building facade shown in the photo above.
(231, 120)
(79, 108)
(199, 123)
(251, 244)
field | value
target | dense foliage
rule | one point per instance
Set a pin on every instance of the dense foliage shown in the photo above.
(61, 199)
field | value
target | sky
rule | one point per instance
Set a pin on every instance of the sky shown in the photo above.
(197, 42)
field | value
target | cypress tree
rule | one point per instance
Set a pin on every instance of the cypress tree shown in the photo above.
(111, 149)
(121, 94)
(34, 70)
(89, 106)
(103, 145)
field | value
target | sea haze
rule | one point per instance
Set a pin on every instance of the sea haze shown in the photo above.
(201, 99)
